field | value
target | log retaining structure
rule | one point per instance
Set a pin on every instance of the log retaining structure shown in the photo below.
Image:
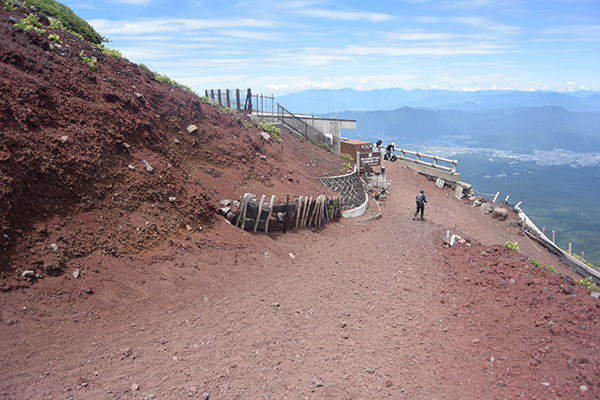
(304, 211)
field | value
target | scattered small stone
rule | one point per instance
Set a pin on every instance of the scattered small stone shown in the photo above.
(149, 397)
(54, 246)
(492, 359)
(236, 203)
(64, 138)
(148, 167)
(316, 382)
(583, 388)
(135, 387)
(131, 167)
(263, 157)
(192, 128)
(28, 274)
(292, 256)
(444, 329)
(224, 210)
(176, 141)
(172, 199)
(369, 370)
(205, 396)
(546, 384)
(275, 305)
(343, 325)
(139, 95)
(226, 203)
(267, 254)
(76, 273)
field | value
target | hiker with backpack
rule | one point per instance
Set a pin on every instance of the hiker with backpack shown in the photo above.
(421, 200)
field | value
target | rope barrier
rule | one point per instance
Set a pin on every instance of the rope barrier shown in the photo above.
(484, 194)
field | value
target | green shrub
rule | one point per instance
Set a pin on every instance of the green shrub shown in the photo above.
(8, 5)
(29, 23)
(272, 130)
(88, 61)
(145, 67)
(514, 246)
(56, 24)
(587, 283)
(110, 52)
(346, 157)
(346, 166)
(55, 38)
(550, 268)
(52, 8)
(536, 264)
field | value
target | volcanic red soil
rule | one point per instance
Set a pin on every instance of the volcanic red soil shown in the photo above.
(172, 302)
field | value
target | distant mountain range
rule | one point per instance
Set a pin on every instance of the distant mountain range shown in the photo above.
(332, 101)
(517, 121)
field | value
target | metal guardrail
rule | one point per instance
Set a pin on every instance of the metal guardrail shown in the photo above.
(291, 121)
(433, 164)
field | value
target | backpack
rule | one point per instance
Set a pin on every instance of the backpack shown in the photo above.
(420, 199)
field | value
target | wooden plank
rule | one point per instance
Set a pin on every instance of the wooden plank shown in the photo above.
(259, 212)
(285, 220)
(244, 215)
(298, 211)
(270, 212)
(307, 214)
(242, 208)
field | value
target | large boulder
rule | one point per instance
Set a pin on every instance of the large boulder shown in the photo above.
(500, 214)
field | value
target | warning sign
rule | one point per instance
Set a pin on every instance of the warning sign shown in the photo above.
(372, 159)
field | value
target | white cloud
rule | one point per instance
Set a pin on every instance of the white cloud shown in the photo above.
(346, 15)
(173, 25)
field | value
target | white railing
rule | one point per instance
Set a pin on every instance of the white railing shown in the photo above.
(433, 163)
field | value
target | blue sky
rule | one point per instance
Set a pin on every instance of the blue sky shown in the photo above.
(277, 46)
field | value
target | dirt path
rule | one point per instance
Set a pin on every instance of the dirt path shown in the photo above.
(377, 310)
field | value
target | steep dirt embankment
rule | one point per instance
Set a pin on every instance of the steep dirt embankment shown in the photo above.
(172, 302)
(75, 142)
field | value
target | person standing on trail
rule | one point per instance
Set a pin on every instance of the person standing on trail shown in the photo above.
(388, 152)
(421, 200)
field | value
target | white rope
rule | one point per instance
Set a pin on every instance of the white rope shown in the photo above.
(483, 194)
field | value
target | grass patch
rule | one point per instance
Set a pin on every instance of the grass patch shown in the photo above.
(587, 283)
(272, 130)
(514, 246)
(90, 62)
(346, 157)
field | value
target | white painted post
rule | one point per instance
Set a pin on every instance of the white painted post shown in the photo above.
(570, 246)
(582, 256)
(518, 204)
(544, 230)
(506, 199)
(553, 241)
(495, 197)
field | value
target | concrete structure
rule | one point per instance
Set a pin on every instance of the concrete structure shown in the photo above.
(316, 129)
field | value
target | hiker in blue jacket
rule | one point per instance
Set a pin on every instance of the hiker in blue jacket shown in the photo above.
(421, 200)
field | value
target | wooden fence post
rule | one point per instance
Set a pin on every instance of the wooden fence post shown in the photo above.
(270, 211)
(286, 219)
(553, 241)
(262, 201)
(298, 211)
